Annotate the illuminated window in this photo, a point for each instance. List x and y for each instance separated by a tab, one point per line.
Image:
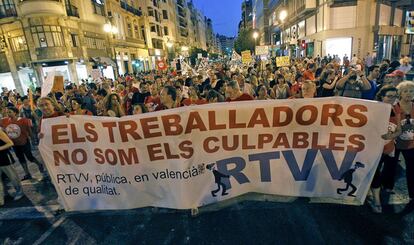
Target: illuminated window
98	7
47	36
18	43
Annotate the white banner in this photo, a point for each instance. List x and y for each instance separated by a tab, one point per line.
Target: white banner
193	156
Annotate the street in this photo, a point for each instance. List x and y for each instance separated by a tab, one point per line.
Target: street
39	219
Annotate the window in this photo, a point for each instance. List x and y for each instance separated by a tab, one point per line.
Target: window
47	36
150	12
143	34
155	2
165	14
95	43
157	16
129	27
18	43
136	31
98	7
75	40
7	8
165	31
159	30
153	28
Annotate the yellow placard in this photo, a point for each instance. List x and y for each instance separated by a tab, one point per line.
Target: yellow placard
282	61
246	57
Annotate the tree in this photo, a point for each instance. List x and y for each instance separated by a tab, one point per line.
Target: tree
244	41
194	54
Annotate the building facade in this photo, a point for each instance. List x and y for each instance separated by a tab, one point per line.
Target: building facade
83	38
227	44
260	20
339	27
247	16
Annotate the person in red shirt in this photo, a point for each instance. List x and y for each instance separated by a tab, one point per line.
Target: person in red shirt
233	93
405	142
194	98
309	74
19	131
168	97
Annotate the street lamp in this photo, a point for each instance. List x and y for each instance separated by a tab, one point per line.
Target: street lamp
111	29
255	36
282	15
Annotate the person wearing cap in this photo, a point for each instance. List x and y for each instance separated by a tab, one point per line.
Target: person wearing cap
396	77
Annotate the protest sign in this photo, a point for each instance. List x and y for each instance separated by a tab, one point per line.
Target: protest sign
282	61
52	83
193	156
262	50
246	57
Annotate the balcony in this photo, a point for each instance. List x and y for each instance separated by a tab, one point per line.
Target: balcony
341	3
183	24
72	11
180	3
7	10
130	9
41	8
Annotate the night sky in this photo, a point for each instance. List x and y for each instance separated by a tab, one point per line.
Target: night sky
225	14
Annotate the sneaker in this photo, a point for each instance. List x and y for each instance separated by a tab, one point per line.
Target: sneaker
27	177
376	208
18	196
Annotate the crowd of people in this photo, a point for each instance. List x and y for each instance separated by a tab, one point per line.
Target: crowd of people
218	83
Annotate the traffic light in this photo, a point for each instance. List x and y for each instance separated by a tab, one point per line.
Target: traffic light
303	44
409	26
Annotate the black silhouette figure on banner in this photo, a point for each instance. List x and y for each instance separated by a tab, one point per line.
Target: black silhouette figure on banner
217	178
347	177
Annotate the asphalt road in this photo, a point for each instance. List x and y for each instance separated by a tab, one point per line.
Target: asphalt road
38	219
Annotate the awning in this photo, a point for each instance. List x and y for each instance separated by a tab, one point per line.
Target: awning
104	61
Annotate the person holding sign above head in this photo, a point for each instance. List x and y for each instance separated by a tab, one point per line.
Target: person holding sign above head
19	131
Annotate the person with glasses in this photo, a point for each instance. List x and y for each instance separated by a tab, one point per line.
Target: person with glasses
405	142
385	174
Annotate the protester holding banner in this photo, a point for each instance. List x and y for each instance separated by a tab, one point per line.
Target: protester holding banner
386	170
405	142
